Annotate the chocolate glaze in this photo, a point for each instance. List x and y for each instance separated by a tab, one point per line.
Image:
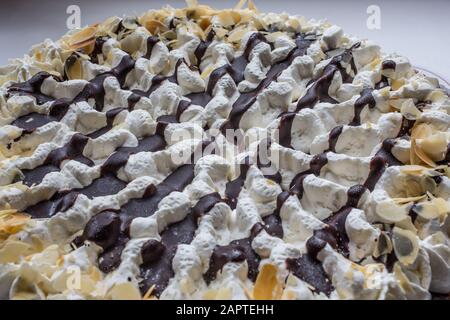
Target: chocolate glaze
388	64
315	166
93	90
98	49
285	128
157	256
333	137
32	87
203	46
383	83
272	223
366	99
110	117
104	185
233	188
405	129
382	159
73	150
264	163
146	206
236	251
103	229
318	91
311	271
247	99
151	41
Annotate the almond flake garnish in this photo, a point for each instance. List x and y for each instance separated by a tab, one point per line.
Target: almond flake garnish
267	286
417	155
148	294
125	291
11	222
83	39
406	245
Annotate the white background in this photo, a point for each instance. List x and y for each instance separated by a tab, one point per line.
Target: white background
416	29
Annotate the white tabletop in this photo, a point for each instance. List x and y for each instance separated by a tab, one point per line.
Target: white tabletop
416	29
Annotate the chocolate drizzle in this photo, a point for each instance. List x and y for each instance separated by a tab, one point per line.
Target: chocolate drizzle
73	150
203	46
247	99
151	41
104	185
311	271
157	256
233	188
333	137
93	90
366	99
237	251
110	229
318	92
388	64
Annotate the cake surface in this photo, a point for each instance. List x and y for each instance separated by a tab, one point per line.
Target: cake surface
221	154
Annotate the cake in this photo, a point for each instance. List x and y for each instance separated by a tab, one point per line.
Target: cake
221	154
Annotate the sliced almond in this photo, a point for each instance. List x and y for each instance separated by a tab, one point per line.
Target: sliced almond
13	251
435	145
155	27
384	245
84	39
400	201
409	110
267	286
418	156
426	210
389	212
75	70
397	84
406	245
125	291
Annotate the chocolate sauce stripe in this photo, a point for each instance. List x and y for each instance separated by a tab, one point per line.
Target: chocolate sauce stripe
157	266
247	99
99	186
146	206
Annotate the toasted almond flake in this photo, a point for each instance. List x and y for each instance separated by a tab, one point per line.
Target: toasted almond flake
155	27
12	251
384	245
402	279
401	201
397	84
426	210
390	212
406	245
413	170
75	71
149	292
435	145
237	34
409	110
125	291
12	222
417	155
267	286
84	38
